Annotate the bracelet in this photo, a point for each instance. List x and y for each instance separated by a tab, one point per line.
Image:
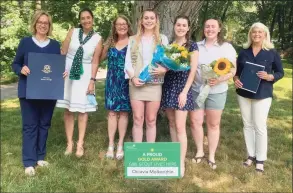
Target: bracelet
132	78
93	79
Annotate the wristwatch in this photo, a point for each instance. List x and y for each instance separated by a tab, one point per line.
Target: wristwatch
93	79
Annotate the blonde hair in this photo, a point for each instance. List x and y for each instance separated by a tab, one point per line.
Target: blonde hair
140	28
266	44
35	19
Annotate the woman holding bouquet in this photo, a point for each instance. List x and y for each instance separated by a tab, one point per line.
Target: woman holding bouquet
255	107
177	96
211	48
144	97
117	100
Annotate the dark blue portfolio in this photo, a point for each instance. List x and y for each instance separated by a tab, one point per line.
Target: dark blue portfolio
45	80
249	78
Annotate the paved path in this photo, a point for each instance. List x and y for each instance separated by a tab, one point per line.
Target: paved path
10	90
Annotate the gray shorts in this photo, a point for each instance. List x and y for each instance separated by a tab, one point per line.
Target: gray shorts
213	101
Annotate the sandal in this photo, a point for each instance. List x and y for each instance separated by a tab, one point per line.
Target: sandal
119	155
79	150
110	152
69	149
212	164
249	159
259	170
197	160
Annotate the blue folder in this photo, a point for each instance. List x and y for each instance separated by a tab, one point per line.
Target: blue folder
45	80
249	78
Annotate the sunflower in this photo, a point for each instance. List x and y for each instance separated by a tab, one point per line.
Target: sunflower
222	66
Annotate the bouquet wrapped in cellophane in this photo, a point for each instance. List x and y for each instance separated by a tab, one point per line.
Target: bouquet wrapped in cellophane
172	57
215	69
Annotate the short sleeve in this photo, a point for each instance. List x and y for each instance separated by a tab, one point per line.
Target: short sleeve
193	46
230	52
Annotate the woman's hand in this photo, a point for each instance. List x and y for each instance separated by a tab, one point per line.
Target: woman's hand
237	82
159	71
137	81
25	70
213	81
265	76
91	88
65	74
182	99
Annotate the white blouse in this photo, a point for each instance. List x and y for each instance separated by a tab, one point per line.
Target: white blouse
147	53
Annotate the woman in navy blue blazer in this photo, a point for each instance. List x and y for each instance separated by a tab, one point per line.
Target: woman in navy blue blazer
36	114
255	107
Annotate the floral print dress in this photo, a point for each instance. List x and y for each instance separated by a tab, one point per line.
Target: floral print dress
174	83
117	87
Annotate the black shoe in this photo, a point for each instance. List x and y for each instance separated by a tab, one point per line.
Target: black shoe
212	164
260	171
245	164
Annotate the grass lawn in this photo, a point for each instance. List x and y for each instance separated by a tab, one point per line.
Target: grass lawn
93	173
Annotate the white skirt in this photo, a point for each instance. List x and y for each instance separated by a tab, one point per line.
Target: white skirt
75	97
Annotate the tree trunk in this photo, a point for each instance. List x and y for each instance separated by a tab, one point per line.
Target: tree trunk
38	4
225	11
167	11
273	20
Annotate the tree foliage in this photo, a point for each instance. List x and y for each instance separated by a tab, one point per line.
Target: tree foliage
237	17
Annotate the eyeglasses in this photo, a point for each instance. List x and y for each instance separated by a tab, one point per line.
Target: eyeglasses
42	23
121	25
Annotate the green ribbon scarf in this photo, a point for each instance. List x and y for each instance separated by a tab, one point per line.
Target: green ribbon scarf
77	69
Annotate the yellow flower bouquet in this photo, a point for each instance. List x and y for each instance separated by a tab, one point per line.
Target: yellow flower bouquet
215	69
176	58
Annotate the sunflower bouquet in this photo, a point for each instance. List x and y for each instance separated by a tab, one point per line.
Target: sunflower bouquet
172	57
215	69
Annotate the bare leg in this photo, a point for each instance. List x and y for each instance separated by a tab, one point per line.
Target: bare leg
82	124
196	121
171	118
69	128
152	108
112	128
213	125
138	118
122	126
180	120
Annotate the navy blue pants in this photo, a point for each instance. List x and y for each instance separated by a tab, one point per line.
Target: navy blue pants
36	121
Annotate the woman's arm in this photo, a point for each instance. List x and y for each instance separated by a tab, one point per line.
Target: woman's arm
96	59
193	67
17	64
128	68
232	58
95	64
278	71
66	42
104	52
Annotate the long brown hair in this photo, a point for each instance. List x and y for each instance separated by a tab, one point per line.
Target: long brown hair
220	36
140	28
113	36
187	35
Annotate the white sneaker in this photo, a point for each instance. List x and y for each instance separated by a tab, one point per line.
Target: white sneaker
42	163
29	171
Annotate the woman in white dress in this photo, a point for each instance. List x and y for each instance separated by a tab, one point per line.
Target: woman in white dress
82	47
